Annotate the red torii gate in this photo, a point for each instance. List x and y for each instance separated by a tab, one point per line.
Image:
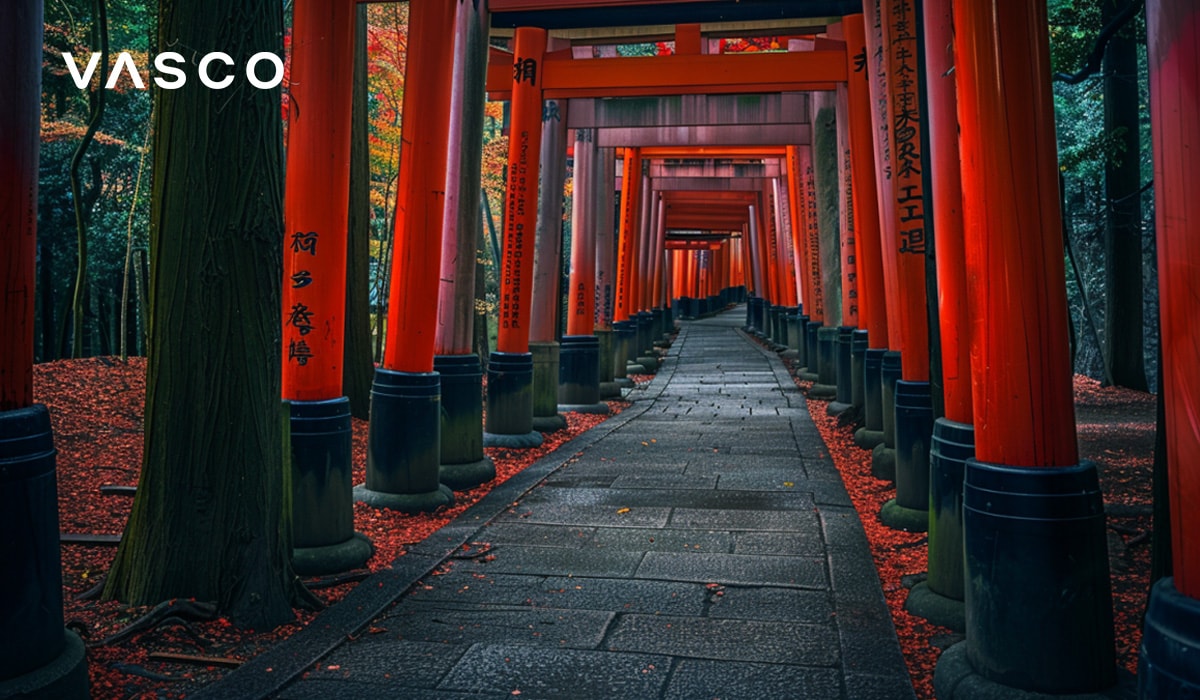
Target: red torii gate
1173	25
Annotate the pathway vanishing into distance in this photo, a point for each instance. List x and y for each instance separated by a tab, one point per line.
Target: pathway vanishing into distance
699	545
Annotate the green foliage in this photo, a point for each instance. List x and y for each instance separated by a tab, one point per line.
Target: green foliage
1085	148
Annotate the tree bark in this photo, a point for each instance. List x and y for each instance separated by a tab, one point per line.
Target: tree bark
211	519
358	368
1123	322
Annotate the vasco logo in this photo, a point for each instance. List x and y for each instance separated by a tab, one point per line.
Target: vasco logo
171	74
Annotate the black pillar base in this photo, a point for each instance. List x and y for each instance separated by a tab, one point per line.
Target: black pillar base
812	354
873	389
898	517
463	464
951	446
883	461
1038	597
38	657
323	536
842	371
914	428
928	604
509	421
1167	665
858	356
352	553
867	439
546	417
579	375
794	336
826	369
955	679
64	677
404	443
624	338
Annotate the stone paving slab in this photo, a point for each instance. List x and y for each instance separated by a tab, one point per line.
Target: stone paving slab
664	555
568	593
558	673
767	641
711	679
465	623
745	569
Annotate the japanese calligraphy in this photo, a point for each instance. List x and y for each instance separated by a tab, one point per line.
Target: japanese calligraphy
525	69
305	242
302	279
299	351
301	318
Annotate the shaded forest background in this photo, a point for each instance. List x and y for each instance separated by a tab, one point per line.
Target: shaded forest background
92	246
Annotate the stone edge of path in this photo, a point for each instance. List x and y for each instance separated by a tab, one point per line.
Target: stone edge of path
270	671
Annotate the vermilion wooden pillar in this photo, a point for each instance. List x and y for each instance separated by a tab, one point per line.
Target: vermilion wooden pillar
19	143
814	304
953	439
1173	619
463	462
883	462
799	231
38	658
579	368
625	306
606	273
510	368
316	207
873	319
404	443
1038	602
547	268
913	403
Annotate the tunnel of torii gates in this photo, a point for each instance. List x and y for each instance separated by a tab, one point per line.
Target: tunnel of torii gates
697	186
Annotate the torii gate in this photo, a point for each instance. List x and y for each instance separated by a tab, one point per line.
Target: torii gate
1004	240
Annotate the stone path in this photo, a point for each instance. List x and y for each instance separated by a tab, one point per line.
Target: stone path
699	545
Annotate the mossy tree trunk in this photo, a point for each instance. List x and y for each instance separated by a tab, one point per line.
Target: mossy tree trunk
358	368
1124	330
211	519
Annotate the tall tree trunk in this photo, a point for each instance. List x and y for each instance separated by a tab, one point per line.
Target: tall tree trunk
211	519
1123	324
358	368
82	210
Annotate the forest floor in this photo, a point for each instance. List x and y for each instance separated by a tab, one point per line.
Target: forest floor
96	406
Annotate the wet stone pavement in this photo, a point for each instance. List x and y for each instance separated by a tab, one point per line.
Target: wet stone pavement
699	545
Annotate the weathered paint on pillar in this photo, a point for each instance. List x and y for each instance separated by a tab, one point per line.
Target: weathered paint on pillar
869	263
520	212
658	256
881	136
904	118
1173	27
543	322
317	201
766	217
412	319
815	304
848	255
581	303
825	178
787	267
631	180
606	265
947	211
645	238
1020	361
20	83
461	222
799	229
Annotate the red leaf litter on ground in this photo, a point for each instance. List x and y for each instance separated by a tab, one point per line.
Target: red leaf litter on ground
1115	430
96	407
